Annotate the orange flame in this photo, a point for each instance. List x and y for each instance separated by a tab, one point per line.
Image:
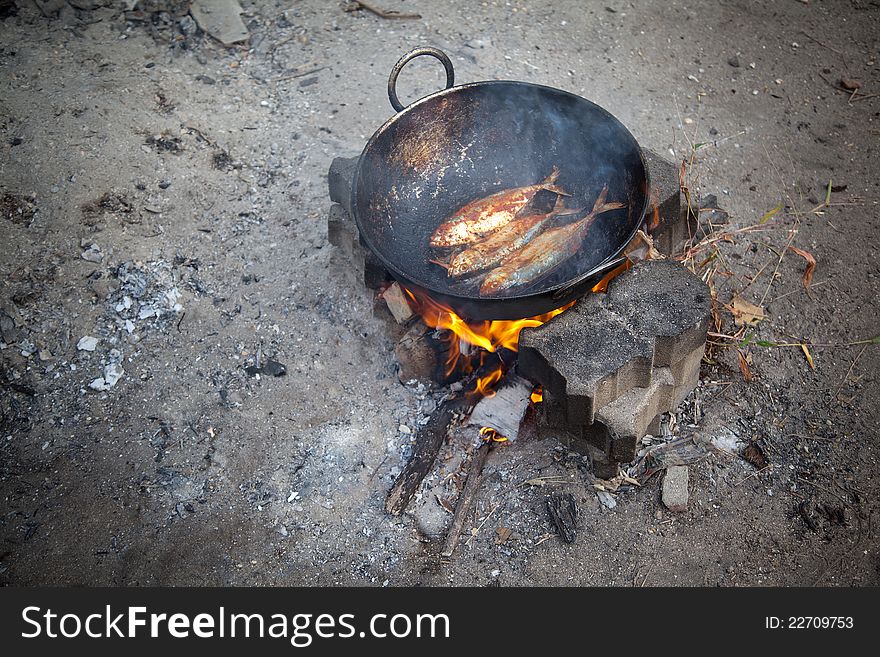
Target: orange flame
487	335
488	433
602	286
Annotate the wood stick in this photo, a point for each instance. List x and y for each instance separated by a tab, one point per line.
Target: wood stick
299	74
466	499
429	439
386	13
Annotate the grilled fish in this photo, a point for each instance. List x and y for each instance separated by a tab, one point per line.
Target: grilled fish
483	216
502	243
545	253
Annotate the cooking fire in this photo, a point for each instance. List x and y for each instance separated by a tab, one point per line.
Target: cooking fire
533	290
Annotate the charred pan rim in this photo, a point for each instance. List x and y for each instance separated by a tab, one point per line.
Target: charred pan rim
575	281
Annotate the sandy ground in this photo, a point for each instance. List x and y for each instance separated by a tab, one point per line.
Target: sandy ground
167	196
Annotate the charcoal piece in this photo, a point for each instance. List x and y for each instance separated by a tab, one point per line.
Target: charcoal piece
564	514
274	368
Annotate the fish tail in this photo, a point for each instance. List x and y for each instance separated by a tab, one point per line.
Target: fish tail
553	188
553	177
600	201
605	207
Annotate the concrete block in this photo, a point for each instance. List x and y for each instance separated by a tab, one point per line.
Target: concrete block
686	374
620	425
587	356
343	233
672	224
339	179
675	488
415	355
662	301
341	230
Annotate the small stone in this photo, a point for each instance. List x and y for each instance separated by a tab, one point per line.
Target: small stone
187	26
164	184
675	489
405	429
98	384
112	374
93	254
274	368
607	499
733	61
87	343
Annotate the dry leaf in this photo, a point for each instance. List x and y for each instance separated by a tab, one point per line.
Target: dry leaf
502	534
809	356
744	366
745	312
445	504
755	455
811	265
850	85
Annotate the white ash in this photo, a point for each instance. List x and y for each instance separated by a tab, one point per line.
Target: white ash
87	343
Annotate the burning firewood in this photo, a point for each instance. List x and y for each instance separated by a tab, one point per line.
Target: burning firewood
397	303
504	411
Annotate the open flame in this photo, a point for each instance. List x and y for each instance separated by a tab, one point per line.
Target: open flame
488	336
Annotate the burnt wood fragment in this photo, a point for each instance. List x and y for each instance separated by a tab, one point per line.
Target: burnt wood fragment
429	439
564	514
466	499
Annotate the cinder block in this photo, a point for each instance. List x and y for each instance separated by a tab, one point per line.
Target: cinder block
672	224
552	411
339	180
661	300
675	488
587	356
686	374
343	233
621	424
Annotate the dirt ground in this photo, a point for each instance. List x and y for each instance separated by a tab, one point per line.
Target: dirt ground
167	196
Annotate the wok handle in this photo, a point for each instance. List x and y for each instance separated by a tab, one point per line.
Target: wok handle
599	271
412	54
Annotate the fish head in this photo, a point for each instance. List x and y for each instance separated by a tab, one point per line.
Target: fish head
463	263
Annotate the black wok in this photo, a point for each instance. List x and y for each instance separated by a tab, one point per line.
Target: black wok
472	140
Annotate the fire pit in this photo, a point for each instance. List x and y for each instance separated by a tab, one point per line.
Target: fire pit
597	369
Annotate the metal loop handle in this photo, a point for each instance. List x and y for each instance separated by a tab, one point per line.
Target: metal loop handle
418	52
